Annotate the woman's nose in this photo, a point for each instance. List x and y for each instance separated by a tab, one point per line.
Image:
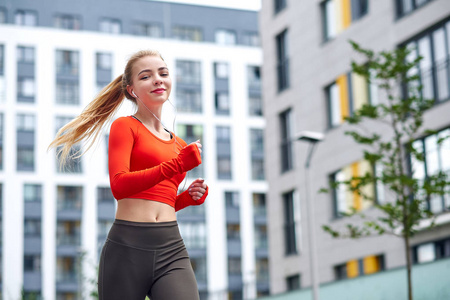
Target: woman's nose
158	80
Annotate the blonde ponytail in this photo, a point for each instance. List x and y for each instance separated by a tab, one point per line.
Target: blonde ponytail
88	125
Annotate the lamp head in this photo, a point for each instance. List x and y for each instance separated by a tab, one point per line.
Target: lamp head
310	136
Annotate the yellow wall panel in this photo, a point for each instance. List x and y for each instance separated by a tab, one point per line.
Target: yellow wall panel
371	264
343	95
352	268
346	13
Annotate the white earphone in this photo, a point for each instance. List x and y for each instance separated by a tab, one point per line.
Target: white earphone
134	94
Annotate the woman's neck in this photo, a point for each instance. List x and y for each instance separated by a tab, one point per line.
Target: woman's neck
150	119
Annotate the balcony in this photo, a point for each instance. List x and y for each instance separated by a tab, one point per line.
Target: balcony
390	284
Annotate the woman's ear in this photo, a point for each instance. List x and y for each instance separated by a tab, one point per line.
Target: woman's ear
130	91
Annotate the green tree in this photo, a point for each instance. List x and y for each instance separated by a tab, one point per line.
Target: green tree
401	112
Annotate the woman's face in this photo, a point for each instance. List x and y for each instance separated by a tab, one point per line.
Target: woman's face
151	81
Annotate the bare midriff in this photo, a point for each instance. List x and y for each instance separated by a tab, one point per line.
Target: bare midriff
141	210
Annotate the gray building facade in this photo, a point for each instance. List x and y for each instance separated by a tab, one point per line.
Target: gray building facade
307	60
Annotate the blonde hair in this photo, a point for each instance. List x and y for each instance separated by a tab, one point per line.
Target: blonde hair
88	125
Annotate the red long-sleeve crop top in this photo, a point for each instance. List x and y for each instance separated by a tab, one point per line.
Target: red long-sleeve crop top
144	166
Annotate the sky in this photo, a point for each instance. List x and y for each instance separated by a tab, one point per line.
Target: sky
239	4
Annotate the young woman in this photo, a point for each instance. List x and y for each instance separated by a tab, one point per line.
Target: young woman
144	253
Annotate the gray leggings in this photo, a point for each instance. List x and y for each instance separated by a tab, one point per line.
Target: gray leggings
140	259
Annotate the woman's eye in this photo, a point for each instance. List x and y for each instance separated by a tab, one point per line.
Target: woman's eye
165	74
144	77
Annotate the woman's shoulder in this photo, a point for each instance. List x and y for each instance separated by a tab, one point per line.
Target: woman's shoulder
123	123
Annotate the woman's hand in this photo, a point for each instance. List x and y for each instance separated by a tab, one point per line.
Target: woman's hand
199	146
197	189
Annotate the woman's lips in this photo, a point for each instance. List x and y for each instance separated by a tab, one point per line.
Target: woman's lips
158	91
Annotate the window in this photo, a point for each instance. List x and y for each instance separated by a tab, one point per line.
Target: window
32	263
254	77
434	47
251	39
221	70
262	270
68	233
25	88
234	232
234	266
110	26
225	37
1	141
286	146
67	62
2	15
188	72
259	204
232	200
222	103
148	29
279	5
358	267
189	101
25	142
404	7
188	77
2	77
105	195
346	201
69	197
199	267
436	155
67	22
257	153
191	133
235	295
25	54
338	15
25	18
194	235
347	94
32	193
32	227
255	105
67	92
104	61
293	282
103	70
187	33
291	221
66	271
25	74
282	60
254	91
261	237
65	296
431	251
2	57
223	147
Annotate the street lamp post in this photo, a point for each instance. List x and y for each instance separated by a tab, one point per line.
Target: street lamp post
312	138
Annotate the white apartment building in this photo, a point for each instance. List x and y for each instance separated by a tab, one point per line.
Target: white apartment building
54	58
